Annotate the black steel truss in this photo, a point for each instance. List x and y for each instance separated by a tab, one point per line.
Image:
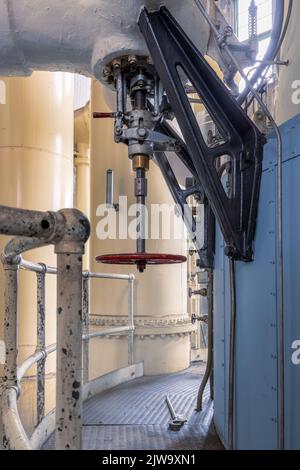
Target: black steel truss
206	250
172	51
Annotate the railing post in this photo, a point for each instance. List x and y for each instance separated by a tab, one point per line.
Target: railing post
10	379
131	321
85	315
41	344
69	396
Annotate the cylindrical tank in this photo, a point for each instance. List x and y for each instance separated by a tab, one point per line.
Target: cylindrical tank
36	159
162	324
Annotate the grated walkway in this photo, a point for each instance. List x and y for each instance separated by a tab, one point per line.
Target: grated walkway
134	415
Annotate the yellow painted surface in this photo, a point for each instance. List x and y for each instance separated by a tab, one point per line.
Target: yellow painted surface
36	159
82	166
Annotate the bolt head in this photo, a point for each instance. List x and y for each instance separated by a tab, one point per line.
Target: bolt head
142	132
229	251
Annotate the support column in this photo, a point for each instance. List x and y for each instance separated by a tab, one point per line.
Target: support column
69	332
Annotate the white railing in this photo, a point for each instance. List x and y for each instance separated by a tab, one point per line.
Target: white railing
15	435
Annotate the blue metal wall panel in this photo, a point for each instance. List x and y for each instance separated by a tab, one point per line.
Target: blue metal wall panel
256	405
292	298
219	339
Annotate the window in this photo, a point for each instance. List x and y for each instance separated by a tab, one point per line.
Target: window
264	25
264	18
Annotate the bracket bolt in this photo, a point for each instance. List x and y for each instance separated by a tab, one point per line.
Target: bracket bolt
116	64
132	60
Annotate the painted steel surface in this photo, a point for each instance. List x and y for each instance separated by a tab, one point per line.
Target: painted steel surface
256	394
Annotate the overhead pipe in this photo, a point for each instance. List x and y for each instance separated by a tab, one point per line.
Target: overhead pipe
80	36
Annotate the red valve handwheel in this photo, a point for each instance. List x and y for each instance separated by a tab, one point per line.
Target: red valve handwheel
141	259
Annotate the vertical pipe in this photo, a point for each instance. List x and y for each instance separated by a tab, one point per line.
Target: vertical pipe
10	334
109	188
130	322
85	318
41	345
211	333
120	92
69	352
209	364
231	378
140	193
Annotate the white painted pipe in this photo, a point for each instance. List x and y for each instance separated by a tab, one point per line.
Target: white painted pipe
39	268
120	277
15	434
81	36
30	361
108	332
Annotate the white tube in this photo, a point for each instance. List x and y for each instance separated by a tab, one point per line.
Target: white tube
108	331
30	361
121	277
39	268
14	432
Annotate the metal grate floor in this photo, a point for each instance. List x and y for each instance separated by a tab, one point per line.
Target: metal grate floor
134	416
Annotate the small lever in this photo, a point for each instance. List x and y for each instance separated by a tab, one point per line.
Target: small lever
177	421
97	115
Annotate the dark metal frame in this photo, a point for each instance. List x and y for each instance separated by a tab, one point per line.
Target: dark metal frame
180	196
170	49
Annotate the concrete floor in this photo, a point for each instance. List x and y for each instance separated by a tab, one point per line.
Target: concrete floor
134	416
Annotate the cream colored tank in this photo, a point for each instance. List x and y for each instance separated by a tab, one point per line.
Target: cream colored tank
36	160
162	338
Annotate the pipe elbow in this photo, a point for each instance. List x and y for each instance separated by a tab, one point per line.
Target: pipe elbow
77	231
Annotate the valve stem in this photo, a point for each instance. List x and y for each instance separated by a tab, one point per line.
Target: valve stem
140	164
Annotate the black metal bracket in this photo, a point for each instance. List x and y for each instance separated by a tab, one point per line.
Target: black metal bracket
205	251
173	53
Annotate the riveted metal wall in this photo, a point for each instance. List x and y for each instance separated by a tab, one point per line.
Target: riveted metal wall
256	394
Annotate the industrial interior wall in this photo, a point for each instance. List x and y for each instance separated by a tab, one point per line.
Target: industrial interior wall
162	336
36	159
256	426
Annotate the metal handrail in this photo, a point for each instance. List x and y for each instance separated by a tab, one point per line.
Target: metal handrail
42	268
11	393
